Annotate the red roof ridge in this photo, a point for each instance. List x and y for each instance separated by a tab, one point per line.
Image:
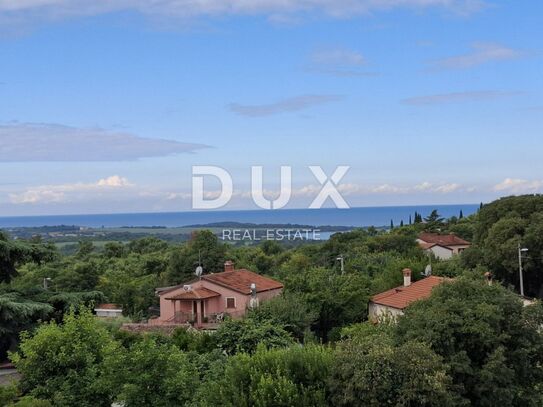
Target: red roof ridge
240	280
108	306
400	297
442	240
199	293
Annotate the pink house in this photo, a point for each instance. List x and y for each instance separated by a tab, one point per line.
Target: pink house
204	302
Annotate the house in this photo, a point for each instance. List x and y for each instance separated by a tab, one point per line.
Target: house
205	301
393	302
442	246
108	310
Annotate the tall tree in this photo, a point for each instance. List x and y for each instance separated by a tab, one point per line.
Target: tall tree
490	341
380	374
204	247
14	253
433	221
17	314
64	363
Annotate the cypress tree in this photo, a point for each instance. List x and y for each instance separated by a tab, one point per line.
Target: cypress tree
391	224
401	223
461	214
410	219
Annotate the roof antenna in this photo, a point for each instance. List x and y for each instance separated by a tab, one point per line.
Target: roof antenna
199	270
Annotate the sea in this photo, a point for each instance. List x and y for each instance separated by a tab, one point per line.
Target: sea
355	217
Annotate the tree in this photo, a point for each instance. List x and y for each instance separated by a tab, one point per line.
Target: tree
245	335
151	374
64	363
295	376
147	245
500	227
85	248
337	299
379	374
491	343
14	253
271	247
290	312
461	216
17	314
433	221
205	247
391	224
114	249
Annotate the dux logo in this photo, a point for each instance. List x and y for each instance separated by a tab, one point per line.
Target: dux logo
218	199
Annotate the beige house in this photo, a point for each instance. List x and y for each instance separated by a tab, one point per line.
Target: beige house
393	302
442	247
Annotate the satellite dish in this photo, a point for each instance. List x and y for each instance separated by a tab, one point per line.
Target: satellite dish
199	271
428	270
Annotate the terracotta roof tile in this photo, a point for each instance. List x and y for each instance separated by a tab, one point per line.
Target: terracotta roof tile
442	240
240	280
108	306
195	294
401	297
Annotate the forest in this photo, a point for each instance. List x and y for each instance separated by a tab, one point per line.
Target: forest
470	343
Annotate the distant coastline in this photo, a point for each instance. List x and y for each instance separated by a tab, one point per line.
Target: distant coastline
353	217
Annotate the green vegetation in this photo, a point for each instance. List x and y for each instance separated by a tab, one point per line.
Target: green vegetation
470	343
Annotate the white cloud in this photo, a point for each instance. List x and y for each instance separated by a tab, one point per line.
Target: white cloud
114	181
14	11
448	188
424	186
63	192
292	104
519	186
458	97
382	189
53	142
338	62
33	196
482	53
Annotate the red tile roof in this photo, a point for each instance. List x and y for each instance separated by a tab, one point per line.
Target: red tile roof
108	306
442	240
195	294
240	280
401	297
427	246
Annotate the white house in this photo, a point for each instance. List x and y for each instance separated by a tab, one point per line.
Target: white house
442	246
108	310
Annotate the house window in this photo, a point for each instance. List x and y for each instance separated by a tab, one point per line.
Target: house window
230	302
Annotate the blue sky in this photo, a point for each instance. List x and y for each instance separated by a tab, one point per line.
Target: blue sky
106	106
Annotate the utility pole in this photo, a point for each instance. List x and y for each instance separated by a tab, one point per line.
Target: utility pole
342	263
520	251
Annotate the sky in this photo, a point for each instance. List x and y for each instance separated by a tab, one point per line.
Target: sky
106	106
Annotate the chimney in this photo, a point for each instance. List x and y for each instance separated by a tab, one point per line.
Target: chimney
406	277
488	276
228	265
